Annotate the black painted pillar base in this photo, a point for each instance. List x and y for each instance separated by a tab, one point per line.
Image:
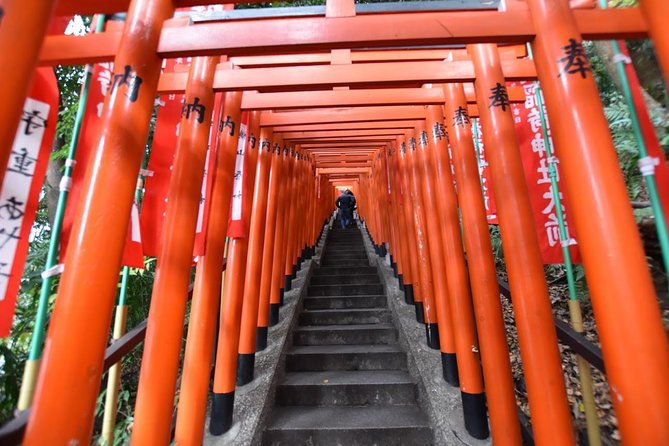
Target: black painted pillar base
274	314
288	285
281	297
474	410
400	281
393	265
245	366
261	338
420	313
449	368
383	250
294	274
432	334
222	408
408	294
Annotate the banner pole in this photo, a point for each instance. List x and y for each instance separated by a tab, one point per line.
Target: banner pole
31	369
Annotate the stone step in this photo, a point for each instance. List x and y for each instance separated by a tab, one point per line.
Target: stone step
351	426
342	270
345	357
345	254
345	334
341	302
344	290
342	388
346	316
345	262
345	279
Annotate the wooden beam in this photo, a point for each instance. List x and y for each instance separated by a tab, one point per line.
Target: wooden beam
341	133
346	170
362	125
353	98
327	76
300	34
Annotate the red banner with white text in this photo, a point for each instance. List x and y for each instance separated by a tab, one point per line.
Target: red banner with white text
536	165
20	192
88	141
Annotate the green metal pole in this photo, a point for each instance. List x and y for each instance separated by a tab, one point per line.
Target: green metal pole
32	364
648	172
575	315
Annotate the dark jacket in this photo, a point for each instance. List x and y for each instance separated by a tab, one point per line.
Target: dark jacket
346	203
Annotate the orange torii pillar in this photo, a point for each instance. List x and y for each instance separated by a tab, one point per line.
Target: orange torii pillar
24	24
451	261
233	291
273	195
276	296
408	160
77	338
289	226
415	295
247	340
404	273
162	346
551	419
424	194
634	342
207	287
485	290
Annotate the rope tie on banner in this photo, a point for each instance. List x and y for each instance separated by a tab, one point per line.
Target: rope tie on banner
553	160
647	165
146	172
65	184
619	57
483	164
53	271
70	162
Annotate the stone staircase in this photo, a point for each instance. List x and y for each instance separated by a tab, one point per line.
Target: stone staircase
346	379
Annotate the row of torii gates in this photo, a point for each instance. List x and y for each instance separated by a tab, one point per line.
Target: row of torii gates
318	88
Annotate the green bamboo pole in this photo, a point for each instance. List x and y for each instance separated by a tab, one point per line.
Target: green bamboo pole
649	175
114	376
33	363
575	315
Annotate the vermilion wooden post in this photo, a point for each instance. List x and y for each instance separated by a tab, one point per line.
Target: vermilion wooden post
207	289
268	242
290	223
438	167
160	359
77	338
485	291
426	285
276	296
247	341
634	342
424	194
225	374
404	263
24	24
551	419
409	235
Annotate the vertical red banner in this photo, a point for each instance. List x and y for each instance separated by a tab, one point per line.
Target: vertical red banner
90	132
484	173
536	165
240	192
19	197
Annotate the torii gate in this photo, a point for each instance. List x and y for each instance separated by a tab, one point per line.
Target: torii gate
632	335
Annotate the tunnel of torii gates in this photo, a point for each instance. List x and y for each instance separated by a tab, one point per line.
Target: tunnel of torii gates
339	99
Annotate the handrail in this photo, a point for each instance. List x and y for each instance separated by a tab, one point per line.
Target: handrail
11	434
574	340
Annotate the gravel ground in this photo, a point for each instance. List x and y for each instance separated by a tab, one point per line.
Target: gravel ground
559	299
